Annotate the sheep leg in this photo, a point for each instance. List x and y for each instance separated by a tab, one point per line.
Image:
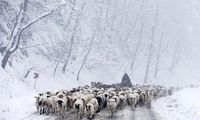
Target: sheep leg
133	106
37	109
111	113
40	111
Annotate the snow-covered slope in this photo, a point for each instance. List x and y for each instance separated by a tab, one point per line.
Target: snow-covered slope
116	28
183	105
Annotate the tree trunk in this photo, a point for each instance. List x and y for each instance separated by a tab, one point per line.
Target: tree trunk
138	46
16	34
158	56
151	47
5	59
176	57
2	50
86	56
148	62
140	37
72	39
68	56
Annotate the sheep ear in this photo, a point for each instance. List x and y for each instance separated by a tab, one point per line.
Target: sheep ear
36	97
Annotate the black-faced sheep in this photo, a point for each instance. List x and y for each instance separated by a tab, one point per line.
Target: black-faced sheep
91	108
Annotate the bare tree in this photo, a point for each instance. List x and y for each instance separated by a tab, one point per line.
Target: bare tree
15	36
72	38
151	46
138	46
140	36
175	57
86	56
158	55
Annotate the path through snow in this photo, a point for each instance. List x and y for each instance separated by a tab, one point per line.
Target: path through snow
126	114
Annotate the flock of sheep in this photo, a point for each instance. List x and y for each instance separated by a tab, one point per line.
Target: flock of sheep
87	101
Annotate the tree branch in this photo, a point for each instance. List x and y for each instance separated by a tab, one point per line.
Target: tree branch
28	25
36	20
29	46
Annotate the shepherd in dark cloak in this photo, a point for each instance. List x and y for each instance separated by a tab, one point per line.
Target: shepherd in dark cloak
126	81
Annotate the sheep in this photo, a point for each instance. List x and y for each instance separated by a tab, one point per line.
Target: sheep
117	100
112	105
91	108
100	92
72	99
122	101
77	95
95	102
52	101
79	107
101	101
70	102
122	93
149	98
106	96
89	101
61	92
113	93
40	103
87	98
45	104
48	93
62	96
155	94
141	99
133	99
60	108
37	102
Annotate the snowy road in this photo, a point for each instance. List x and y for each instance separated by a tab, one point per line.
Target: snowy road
126	114
144	114
25	110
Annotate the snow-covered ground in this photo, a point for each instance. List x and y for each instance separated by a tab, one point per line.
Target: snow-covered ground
23	108
183	105
102	49
17	100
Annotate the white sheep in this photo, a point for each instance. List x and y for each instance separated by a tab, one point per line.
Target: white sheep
52	101
48	104
86	98
91	108
40	103
149	98
37	103
133	99
112	106
79	108
60	108
117	100
62	96
122	101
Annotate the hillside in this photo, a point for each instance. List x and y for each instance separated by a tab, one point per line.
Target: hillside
71	43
